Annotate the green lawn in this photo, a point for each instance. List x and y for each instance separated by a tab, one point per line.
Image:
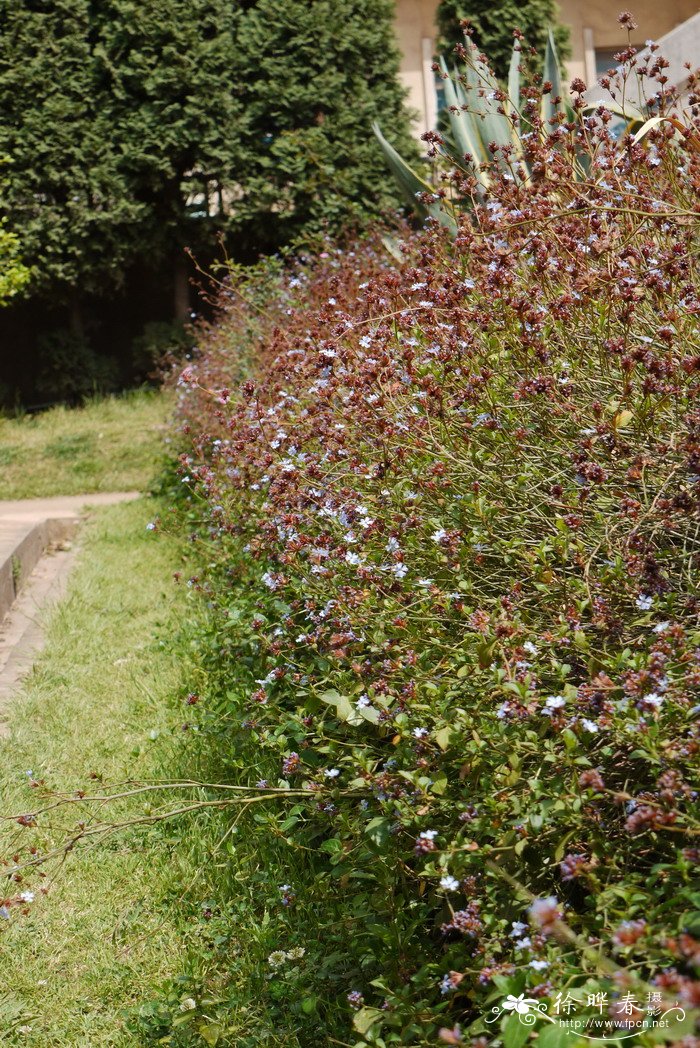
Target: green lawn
111	444
105	695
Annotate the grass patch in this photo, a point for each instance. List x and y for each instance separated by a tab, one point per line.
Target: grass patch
104	697
110	444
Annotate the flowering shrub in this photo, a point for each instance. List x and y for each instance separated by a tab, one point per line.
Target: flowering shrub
450	519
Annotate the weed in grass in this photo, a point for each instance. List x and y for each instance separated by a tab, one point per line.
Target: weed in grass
16	571
71	446
9	454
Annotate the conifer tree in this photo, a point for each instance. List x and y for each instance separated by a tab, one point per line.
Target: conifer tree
167	76
14	275
63	191
138	128
493	24
312	78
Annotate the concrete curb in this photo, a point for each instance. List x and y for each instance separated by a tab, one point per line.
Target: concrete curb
22	631
28	545
35	561
30	526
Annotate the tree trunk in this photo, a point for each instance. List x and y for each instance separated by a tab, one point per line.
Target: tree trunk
77	327
181	299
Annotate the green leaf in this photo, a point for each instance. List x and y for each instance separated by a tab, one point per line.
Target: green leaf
368	713
561	846
691	923
442	737
211	1033
344	708
330	697
554	1036
347	712
378	830
365	1019
182	1020
514	1032
570	740
677	1030
490	125
485	652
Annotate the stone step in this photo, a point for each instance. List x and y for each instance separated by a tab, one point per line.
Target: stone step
35	560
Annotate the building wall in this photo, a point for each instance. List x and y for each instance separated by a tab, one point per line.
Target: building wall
593	25
415	28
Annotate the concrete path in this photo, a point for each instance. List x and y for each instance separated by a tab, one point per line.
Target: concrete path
36	555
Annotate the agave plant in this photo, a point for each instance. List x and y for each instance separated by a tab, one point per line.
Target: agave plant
482	113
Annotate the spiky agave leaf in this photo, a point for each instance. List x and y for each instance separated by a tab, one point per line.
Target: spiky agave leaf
464	131
482	93
392	246
480	116
494	116
553	102
413	186
514	79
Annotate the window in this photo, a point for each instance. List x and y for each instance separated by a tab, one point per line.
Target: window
605	58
